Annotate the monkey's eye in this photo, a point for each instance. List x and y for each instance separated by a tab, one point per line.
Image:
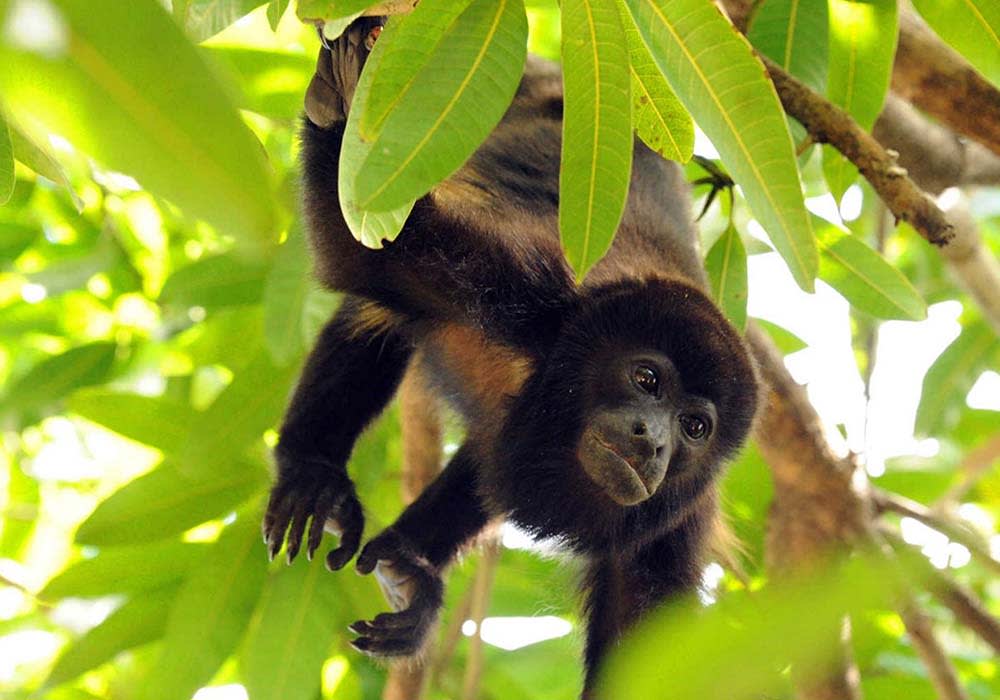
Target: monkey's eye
646	379
694	426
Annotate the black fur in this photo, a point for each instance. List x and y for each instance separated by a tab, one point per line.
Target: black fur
477	283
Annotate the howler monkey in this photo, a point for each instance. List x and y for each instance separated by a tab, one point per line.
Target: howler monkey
597	415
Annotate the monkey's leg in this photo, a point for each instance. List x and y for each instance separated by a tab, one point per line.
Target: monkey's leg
348	379
408	556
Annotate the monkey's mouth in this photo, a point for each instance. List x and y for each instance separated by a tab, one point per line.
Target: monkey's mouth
615	474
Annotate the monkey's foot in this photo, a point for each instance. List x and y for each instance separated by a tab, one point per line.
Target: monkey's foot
320	491
413	587
338	68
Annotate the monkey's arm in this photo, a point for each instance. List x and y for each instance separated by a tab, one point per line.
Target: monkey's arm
621	590
347	381
408	556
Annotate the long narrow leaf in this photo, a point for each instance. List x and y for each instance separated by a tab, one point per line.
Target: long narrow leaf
714	73
210	615
971	26
864	277
659	118
726	263
597	135
862	45
141	620
459	95
110	69
6	162
795	35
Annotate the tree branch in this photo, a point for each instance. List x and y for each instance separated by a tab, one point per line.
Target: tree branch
934	77
482	587
939	667
950	527
828	123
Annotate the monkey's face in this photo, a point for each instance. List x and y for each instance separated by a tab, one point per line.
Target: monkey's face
642	425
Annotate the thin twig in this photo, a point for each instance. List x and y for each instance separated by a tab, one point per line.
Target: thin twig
976	464
951	527
482	587
939	667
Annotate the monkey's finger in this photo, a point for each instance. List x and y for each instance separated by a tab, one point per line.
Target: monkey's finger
352	523
300	515
272	510
320	513
276	535
373	551
396	646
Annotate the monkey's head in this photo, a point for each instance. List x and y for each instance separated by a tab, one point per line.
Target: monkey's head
646	392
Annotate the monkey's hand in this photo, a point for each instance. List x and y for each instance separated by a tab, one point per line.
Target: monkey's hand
312	488
413	587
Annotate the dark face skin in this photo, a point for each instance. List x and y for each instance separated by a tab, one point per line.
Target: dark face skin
642	425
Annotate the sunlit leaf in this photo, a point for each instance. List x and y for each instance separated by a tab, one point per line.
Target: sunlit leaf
714	73
863	39
369	227
210	614
54	378
951	376
597	135
275	11
786	341
217	281
15	239
6	162
22	508
726	263
238	417
112	68
273	82
464	75
659	118
41	161
330	9
794	34
970	26
145	567
285	649
285	291
865	278
206	18
139	621
165	502
761	635
155	421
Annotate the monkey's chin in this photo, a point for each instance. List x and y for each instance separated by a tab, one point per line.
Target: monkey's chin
612	473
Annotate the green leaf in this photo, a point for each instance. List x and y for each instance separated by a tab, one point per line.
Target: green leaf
21	507
54	378
292	633
146	567
714	73
949	379
863	39
139	621
726	263
659	118
7	178
39	159
155	421
597	134
369	227
864	278
114	68
210	614
15	238
786	341
312	10
464	75
970	26
206	18
275	11
795	35
165	502
217	281
272	82
238	417
288	284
